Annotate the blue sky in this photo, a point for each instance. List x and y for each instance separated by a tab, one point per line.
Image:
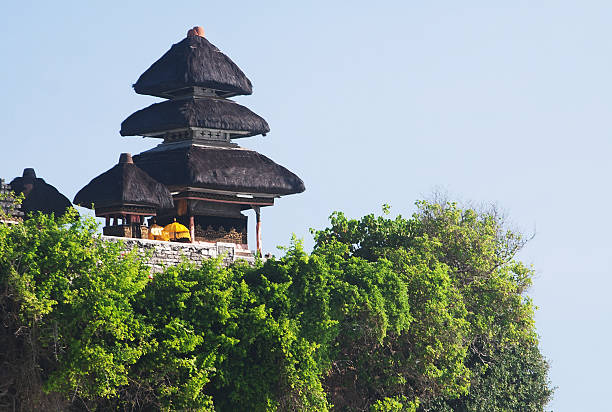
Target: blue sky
370	103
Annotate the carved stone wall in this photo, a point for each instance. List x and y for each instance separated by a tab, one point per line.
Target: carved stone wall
9	211
221	235
164	254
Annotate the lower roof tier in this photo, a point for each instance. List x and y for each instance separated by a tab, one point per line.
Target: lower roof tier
234	170
198	112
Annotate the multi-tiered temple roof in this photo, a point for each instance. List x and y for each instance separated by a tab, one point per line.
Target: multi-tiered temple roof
210	177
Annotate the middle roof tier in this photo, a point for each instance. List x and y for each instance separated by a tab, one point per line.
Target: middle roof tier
169	116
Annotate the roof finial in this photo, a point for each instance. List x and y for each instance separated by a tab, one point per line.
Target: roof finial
125	158
29	172
196	31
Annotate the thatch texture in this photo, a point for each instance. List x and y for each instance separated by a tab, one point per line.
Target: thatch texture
124	184
194	112
194	61
230	169
39	195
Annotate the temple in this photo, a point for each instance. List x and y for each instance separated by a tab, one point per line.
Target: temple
125	196
197	176
38	195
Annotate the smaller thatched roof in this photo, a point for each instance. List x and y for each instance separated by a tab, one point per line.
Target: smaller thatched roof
39	195
228	169
125	184
207	113
193	61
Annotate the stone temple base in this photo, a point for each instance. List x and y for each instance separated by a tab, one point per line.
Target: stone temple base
164	254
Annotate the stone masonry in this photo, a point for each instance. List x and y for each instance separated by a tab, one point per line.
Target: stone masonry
164	254
9	211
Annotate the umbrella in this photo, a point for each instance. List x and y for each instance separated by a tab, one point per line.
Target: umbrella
176	231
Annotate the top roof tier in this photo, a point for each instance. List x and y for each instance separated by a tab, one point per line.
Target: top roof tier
193	62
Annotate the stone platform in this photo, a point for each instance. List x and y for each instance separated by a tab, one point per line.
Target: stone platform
164	254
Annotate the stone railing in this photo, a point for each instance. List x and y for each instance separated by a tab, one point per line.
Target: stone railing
164	254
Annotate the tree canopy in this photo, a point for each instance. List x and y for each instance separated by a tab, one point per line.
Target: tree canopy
427	313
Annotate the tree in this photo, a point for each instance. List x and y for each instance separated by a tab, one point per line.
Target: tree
66	310
477	253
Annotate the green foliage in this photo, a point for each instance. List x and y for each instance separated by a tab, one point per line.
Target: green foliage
215	338
386	314
67	303
468	301
514	380
394	405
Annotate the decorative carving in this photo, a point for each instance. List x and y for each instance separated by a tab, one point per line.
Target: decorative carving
119	231
125	210
135	231
198	134
189	194
221	235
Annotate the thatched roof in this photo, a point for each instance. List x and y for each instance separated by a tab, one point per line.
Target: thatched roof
230	169
193	61
124	184
208	113
39	195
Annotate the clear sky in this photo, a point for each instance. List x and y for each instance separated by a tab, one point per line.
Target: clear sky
370	103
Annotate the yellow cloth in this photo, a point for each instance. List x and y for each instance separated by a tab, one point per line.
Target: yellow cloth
156	232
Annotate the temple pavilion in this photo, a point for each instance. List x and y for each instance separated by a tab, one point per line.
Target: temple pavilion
205	180
39	196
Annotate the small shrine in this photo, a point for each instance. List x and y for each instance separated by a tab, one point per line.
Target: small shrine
39	196
125	195
205	180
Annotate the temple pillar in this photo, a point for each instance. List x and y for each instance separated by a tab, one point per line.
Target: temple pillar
192	228
258	229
